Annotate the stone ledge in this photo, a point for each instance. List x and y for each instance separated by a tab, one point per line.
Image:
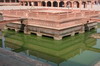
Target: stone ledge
97	64
8	58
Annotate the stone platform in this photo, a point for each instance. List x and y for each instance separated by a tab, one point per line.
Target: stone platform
98	64
8	58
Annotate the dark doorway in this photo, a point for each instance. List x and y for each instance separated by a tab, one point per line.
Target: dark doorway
55	4
35	3
26	4
30	4
7	0
1	0
84	4
69	4
49	4
17	0
43	3
61	4
77	4
12	0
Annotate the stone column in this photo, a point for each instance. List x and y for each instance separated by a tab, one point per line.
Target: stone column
16	1
39	34
51	3
16	30
73	33
4	1
45	3
39	3
26	31
10	1
57	37
32	3
58	3
5	27
24	3
72	4
82	30
95	26
80	4
91	4
27	3
65	4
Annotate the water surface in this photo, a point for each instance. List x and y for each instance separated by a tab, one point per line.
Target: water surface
79	50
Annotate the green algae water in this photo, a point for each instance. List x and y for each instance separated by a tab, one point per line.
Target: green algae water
79	50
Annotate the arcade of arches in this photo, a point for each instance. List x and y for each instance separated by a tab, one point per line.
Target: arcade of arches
68	4
7	1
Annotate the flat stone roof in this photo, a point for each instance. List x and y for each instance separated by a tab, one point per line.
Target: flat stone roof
8	58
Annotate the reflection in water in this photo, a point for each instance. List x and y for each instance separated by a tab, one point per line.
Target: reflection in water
61	52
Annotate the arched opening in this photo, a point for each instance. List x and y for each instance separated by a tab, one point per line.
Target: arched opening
88	2
61	4
30	4
12	0
96	2
26	4
43	3
49	4
76	4
55	4
7	0
84	4
1	0
17	0
22	3
68	4
35	3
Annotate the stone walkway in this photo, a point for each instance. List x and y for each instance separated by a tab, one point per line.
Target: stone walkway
8	58
98	64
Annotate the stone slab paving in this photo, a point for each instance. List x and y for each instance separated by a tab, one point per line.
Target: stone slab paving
8	58
98	64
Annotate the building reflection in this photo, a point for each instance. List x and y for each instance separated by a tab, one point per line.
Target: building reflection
49	49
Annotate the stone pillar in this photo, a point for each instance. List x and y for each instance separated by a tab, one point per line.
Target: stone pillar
65	4
72	4
82	30
73	33
80	4
24	3
26	31
4	1
16	30
27	3
32	3
91	4
15	0
39	34
5	27
95	26
45	3
57	37
10	1
39	4
51	3
58	3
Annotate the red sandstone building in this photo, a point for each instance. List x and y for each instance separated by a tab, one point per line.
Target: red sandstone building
54	3
59	3
53	22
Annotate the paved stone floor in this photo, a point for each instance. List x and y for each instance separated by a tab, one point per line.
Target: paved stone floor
8	58
98	64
